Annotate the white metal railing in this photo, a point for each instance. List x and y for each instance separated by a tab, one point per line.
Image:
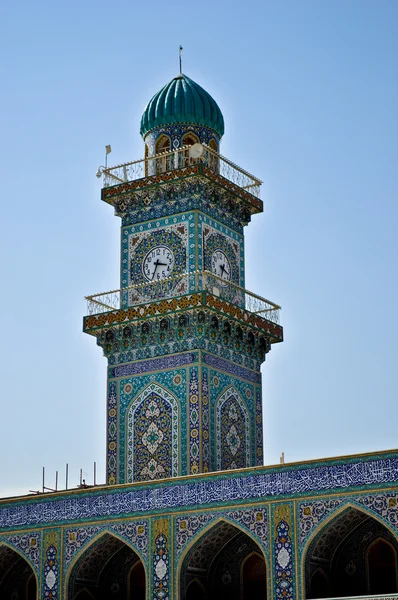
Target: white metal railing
187	283
177	159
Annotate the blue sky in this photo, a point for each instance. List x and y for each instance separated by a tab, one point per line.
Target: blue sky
309	92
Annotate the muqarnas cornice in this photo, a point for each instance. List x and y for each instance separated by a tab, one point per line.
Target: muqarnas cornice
194	187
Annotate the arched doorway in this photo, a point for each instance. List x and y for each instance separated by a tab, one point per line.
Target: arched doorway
17	579
382	567
108	568
225	562
354	554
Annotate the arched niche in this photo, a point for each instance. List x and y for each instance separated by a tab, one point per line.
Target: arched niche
223	562
107	568
232	428
339	559
254	577
152	435
195	590
382	567
163	146
136	581
17	578
188	140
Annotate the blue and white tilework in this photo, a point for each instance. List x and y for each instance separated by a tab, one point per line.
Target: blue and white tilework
176	132
133	532
29	545
202	491
284	575
232	431
216	236
232	368
51	573
138	240
233	414
313	513
194	422
161	567
254	520
205	421
152	434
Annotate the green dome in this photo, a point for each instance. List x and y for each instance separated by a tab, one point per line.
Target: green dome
182	101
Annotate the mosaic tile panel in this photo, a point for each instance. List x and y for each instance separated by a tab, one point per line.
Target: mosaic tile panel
140	242
156	364
269	482
182	196
194	422
239	425
76	538
313	513
175	384
51	572
205	421
254	520
134	532
259	427
161	561
153	436
283	554
232	431
217	237
231	368
29	545
385	505
112	431
176	132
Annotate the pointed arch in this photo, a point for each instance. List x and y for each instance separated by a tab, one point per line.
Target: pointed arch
232	427
361	515
253	576
90	546
195	590
163	146
10	546
136	581
189	139
201	535
16	559
382	570
152	426
84	594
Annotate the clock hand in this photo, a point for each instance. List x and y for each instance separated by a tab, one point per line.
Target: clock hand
157	264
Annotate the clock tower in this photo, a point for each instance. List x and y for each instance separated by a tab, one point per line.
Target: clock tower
183	337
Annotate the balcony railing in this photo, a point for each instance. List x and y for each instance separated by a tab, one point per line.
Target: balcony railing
178	159
187	283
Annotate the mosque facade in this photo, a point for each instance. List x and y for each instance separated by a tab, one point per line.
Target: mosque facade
188	511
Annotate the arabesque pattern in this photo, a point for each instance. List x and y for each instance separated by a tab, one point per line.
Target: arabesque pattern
152	445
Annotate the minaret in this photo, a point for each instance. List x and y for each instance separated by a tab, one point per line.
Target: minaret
183	337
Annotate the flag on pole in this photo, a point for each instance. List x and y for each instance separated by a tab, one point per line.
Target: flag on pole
108	150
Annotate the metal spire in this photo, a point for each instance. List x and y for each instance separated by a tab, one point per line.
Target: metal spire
180	60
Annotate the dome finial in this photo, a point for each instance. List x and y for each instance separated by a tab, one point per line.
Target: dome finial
180	60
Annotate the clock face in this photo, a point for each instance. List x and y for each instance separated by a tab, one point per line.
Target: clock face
158	263
221	266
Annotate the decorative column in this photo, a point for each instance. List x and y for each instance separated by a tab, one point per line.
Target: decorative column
161	565
283	553
51	581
